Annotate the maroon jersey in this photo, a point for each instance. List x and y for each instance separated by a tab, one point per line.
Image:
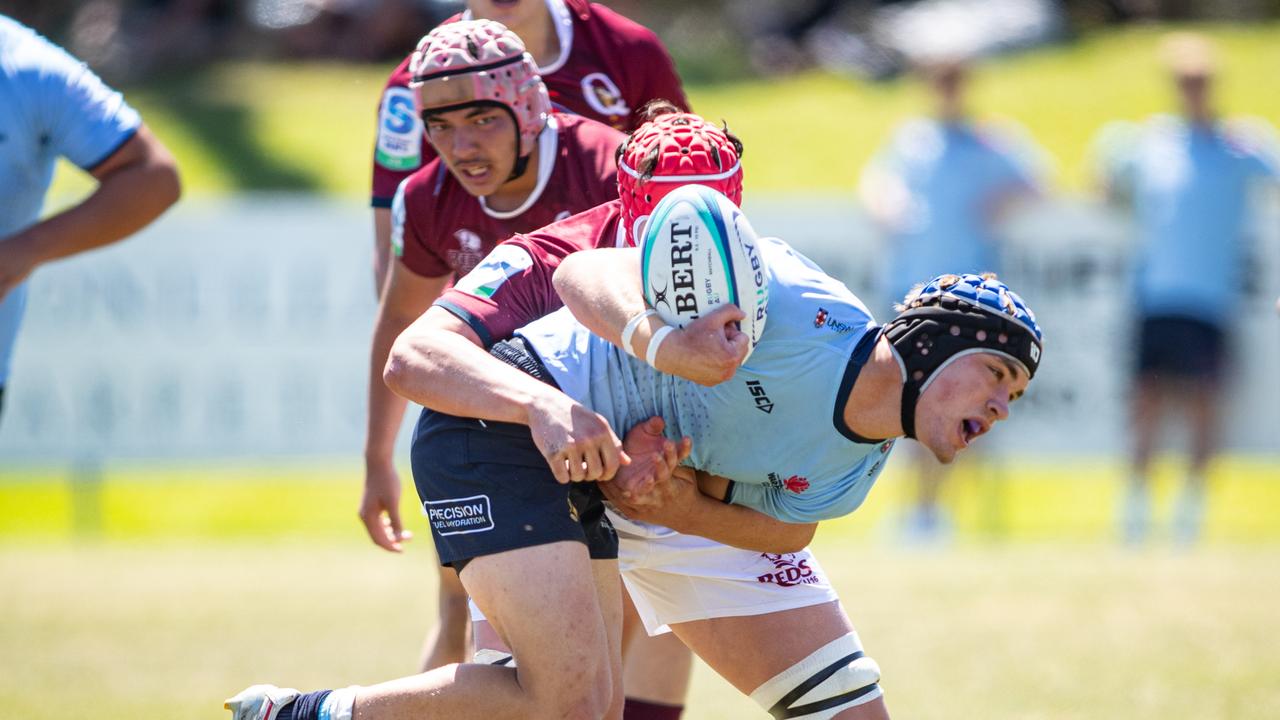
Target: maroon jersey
609	68
438	228
512	286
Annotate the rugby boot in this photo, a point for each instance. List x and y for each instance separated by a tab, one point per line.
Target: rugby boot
259	702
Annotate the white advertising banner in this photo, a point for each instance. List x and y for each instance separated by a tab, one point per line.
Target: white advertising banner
240	329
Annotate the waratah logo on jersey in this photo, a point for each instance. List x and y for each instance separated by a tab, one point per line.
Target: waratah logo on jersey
788	571
793	484
603	95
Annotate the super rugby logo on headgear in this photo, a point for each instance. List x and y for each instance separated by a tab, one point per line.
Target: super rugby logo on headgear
952	316
667	152
698	253
481	62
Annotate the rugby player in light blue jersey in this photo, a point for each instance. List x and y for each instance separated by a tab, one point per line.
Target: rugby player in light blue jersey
937	191
1189	181
831	378
51	106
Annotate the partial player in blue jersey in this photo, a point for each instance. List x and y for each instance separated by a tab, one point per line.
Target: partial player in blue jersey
51	106
1189	181
937	191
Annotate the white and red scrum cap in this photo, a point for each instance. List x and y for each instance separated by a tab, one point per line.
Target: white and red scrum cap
474	62
668	152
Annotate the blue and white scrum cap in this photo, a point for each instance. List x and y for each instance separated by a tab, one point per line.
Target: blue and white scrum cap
953	316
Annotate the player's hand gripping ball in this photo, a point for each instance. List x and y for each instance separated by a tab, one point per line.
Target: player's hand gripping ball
700	252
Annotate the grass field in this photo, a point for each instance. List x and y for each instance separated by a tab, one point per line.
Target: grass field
155	592
309	127
166	629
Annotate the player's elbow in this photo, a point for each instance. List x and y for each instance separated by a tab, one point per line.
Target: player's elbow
397	372
161	181
562	279
165	183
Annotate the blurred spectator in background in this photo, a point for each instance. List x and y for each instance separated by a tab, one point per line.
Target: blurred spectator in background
51	106
937	191
1187	180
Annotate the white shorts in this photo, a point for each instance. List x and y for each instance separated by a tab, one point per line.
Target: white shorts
675	578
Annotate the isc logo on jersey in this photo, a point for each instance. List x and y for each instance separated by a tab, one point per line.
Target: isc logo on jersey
699	252
399	131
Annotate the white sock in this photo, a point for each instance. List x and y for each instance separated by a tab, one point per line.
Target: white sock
339	704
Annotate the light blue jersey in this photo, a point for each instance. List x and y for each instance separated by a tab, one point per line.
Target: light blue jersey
949	178
776	427
51	106
1190	187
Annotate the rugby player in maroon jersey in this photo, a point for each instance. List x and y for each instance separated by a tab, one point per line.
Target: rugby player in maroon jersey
507	164
593	61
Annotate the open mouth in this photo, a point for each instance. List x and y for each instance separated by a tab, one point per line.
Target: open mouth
477	173
971	428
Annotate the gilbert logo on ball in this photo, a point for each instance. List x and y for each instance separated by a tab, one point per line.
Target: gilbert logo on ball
700	252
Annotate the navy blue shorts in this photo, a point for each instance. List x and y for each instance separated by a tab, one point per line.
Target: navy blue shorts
1180	347
486	489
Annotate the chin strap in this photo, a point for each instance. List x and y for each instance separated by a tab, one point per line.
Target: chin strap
522	164
928	338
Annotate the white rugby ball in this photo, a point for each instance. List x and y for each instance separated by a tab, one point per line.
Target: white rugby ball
699	252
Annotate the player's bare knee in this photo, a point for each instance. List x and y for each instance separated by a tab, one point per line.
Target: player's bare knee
831	680
584	696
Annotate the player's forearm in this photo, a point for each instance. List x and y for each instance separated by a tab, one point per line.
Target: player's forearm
445	371
125	201
743	527
602	289
381	248
386	409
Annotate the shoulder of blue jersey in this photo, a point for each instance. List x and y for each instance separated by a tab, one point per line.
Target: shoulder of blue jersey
699	252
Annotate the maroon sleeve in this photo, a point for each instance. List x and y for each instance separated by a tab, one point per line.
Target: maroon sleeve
412	236
495	301
497	309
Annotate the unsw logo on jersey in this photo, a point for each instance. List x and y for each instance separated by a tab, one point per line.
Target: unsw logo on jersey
793	484
399	131
823	318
